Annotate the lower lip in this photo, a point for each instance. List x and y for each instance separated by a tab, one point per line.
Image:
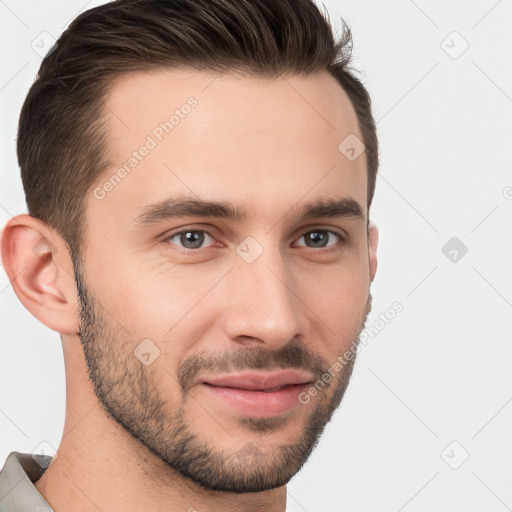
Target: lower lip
258	403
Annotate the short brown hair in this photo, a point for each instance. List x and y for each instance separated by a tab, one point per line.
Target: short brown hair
62	142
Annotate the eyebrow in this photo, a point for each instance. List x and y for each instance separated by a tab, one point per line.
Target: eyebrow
188	207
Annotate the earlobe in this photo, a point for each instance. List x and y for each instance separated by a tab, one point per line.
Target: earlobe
41	272
373	240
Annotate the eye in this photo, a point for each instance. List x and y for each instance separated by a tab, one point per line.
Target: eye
319	238
190	239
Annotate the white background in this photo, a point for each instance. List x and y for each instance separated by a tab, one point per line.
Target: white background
441	370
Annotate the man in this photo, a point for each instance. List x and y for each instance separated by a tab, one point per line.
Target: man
198	177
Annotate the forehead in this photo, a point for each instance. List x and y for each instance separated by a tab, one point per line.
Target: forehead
259	141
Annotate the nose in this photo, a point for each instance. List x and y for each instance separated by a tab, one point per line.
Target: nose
265	308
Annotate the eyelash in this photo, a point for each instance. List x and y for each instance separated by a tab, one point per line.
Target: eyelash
341	238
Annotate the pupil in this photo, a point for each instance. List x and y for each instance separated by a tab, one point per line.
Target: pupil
318	239
192	239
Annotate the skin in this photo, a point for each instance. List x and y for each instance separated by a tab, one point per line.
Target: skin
268	146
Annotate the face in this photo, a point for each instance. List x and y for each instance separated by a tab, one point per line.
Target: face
225	271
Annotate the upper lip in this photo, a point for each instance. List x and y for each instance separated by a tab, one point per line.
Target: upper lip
260	380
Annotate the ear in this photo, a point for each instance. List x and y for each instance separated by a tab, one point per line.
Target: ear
40	270
373	240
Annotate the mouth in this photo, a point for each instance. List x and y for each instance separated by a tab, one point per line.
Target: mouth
261	394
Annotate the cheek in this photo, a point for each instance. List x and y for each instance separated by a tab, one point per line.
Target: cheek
338	290
146	300
336	302
170	306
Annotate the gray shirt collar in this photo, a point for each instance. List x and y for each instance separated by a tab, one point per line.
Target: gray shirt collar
17	491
